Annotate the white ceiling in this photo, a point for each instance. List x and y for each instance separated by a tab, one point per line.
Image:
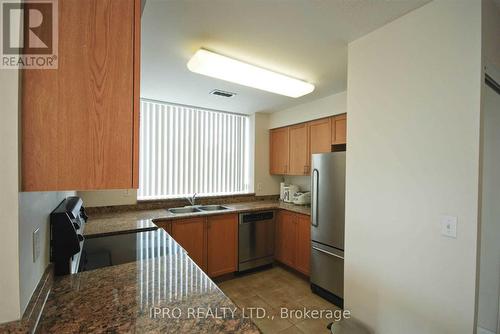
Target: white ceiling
306	39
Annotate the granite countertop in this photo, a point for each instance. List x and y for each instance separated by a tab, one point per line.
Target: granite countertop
129	221
162	291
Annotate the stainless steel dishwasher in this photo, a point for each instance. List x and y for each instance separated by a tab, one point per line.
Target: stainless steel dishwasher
256	239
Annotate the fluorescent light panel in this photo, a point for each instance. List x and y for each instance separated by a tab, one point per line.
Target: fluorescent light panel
221	67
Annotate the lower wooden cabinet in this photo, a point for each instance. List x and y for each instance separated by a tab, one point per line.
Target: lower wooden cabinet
303	245
285	237
190	234
212	242
222	244
293	240
166	225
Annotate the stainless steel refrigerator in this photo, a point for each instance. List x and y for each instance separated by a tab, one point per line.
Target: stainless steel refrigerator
327	225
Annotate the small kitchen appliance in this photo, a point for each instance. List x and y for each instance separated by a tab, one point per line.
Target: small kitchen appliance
302	198
288	192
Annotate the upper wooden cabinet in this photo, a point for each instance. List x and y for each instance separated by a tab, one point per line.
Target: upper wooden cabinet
320	133
291	147
339	129
80	122
299	149
279	153
222	244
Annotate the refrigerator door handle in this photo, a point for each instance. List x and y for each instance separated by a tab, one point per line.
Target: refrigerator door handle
315	187
326	252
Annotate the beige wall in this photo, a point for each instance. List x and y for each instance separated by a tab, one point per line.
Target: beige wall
327	106
34	211
413	132
489	263
9	237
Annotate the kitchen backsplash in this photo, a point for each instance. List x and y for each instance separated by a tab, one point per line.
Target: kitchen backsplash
304	182
172	203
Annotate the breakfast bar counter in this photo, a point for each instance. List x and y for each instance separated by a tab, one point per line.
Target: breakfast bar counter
162	291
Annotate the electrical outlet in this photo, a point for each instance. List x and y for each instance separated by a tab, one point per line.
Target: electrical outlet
259	186
449	226
36	244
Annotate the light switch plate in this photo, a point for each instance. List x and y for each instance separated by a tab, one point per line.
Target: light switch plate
449	226
36	244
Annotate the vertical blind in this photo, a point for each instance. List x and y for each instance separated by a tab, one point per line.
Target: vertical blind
186	150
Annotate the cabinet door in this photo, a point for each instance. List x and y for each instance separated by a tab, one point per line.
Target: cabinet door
279	155
78	122
190	234
303	255
287	237
167	226
222	244
320	134
339	129
299	149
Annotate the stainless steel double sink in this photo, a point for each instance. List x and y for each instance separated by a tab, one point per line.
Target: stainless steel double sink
197	208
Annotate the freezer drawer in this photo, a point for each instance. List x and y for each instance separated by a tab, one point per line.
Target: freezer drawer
327	269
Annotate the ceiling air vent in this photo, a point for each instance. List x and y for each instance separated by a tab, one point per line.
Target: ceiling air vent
222	93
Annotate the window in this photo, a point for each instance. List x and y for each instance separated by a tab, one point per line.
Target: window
186	150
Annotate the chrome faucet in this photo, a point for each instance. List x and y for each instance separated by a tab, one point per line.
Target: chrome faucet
192	199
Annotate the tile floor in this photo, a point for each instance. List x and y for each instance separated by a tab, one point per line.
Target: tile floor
273	289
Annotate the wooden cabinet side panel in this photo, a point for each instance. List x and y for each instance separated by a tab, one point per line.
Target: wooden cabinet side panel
340	129
190	234
278	236
222	244
40	126
137	92
82	137
303	256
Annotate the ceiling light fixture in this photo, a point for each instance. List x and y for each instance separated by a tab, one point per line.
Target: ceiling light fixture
221	67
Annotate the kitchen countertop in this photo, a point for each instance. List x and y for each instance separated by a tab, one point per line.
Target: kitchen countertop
129	221
126	297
